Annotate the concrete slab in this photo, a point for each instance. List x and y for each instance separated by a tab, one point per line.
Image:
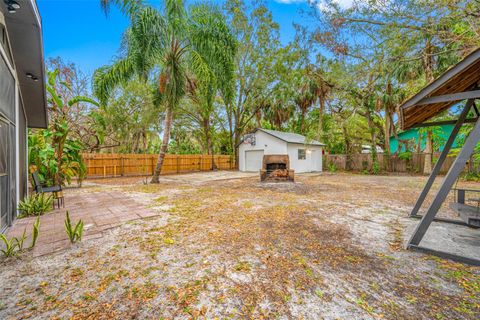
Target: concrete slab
205	176
451	238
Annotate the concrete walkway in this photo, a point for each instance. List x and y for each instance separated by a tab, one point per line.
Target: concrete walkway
207	176
99	211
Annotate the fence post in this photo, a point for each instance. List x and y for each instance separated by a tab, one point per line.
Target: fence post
145	165
122	166
178	168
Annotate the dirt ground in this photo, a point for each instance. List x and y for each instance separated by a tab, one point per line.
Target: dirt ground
329	246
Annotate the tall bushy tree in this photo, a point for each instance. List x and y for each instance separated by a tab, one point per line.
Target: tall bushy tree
258	48
392	49
54	152
178	43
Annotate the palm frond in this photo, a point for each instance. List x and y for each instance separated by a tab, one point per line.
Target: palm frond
107	78
128	7
52	77
146	40
78	99
213	39
201	69
175	16
175	72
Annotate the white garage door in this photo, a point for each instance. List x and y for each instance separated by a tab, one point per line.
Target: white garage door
253	160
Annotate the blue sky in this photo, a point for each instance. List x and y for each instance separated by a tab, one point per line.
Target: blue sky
79	32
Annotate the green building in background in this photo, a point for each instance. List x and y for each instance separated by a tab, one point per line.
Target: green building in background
441	132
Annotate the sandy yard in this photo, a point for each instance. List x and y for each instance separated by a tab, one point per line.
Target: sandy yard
330	246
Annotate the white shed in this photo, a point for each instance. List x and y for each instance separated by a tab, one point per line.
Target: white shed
304	155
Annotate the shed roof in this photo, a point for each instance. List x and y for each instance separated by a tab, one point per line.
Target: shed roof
461	78
291	137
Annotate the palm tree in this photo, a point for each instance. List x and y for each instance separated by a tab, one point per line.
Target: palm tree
180	44
128	7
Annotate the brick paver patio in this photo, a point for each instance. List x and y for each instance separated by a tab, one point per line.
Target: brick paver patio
99	211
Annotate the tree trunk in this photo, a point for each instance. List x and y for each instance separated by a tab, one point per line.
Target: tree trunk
230	130
427	168
58	175
321	109
386	152
348	148
373	136
419	152
302	121
164	147
209	141
236	141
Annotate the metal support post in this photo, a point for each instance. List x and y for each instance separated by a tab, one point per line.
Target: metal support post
447	184
441	159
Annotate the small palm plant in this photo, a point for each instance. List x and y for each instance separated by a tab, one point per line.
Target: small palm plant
36	204
10	246
14	245
74	233
176	44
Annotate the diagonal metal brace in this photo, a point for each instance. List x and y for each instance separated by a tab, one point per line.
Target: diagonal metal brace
447	184
441	159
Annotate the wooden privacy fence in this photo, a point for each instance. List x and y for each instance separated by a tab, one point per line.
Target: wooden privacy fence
115	165
392	163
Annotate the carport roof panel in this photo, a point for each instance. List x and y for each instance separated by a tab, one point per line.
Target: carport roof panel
291	137
462	77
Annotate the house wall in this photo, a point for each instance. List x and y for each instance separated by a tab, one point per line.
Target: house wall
13	140
440	132
263	141
312	161
272	145
22	152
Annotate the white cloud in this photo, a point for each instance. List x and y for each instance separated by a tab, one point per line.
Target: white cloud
345	3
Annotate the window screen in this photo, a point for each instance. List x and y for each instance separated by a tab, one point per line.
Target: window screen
7	92
22	150
4	42
4	162
12	174
302	154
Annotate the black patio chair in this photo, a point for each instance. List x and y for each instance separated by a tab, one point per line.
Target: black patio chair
40	187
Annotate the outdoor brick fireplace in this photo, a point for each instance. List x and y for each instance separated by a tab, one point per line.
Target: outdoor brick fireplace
276	168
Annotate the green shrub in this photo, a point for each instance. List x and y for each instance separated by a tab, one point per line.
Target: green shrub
365	166
36	204
14	245
332	167
376	167
10	246
471	176
407	156
74	233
